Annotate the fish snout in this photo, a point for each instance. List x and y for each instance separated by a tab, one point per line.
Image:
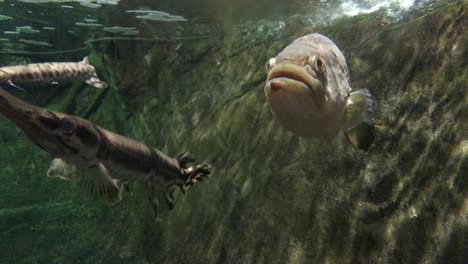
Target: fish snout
292	77
285	85
276	84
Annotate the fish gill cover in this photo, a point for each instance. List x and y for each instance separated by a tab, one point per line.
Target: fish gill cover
273	197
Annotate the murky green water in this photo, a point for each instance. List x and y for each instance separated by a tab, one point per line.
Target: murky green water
190	76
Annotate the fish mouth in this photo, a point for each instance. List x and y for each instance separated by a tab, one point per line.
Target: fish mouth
294	80
32	121
14	109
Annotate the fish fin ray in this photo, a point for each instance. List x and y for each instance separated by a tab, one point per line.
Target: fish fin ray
61	169
16	86
103	186
150	187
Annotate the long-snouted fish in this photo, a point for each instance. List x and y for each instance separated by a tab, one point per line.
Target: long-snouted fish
52	72
110	161
308	91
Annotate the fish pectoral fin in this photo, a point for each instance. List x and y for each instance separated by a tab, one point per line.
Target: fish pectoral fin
61	169
361	136
102	185
359	126
150	186
16	86
95	82
169	195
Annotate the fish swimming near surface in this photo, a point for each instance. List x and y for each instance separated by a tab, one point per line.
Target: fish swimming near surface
51	72
109	161
308	91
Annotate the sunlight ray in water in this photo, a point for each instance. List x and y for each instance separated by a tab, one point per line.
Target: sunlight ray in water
350	8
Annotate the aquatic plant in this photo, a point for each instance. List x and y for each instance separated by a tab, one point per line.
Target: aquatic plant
119	29
155	15
81	24
35	42
27	30
3	17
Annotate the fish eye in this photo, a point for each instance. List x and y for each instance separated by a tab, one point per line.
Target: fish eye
67	126
319	63
316	63
271	63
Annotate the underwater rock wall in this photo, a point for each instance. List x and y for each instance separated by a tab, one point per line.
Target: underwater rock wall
273	197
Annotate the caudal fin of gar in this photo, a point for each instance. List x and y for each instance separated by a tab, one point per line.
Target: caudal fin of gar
95	82
359	129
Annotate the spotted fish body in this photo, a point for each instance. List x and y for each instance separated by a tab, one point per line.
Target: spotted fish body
52	72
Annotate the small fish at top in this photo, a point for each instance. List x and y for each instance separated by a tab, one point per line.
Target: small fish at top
308	91
52	72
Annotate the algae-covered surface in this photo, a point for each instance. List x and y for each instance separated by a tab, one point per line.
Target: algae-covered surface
273	197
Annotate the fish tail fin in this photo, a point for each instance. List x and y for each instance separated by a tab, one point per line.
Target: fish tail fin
359	128
95	82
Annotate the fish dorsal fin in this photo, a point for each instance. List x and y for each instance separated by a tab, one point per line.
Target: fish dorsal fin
85	60
61	169
102	185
